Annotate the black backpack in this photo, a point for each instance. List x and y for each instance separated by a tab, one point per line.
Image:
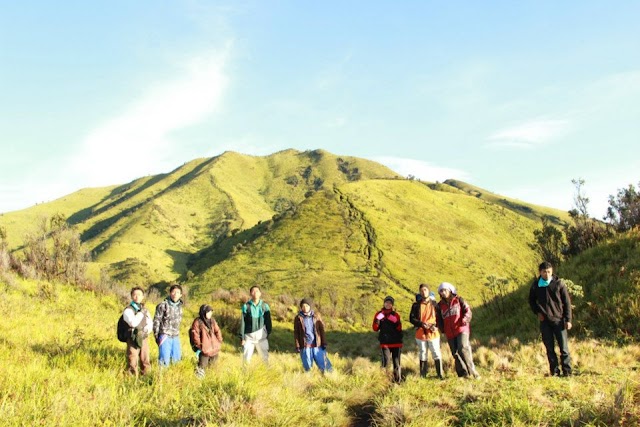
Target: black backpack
124	330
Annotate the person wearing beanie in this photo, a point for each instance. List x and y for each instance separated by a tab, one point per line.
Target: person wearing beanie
309	337
549	300
206	339
389	327
423	317
140	324
454	318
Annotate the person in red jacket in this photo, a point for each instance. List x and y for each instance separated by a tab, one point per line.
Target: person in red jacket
389	327
454	317
206	339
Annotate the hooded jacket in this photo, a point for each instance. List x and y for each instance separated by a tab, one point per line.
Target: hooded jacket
552	301
167	318
299	330
454	316
207	339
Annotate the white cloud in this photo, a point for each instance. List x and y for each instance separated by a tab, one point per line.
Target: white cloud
421	169
528	135
134	143
138	141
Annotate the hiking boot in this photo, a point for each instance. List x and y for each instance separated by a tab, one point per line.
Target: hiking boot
439	368
424	368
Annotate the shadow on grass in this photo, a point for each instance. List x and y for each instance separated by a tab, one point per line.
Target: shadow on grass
64	354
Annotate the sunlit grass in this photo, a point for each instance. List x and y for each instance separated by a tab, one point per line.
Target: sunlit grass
60	364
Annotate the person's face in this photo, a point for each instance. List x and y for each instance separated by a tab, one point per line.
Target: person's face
306	308
256	294
388	305
175	295
424	291
209	314
547	273
137	296
445	293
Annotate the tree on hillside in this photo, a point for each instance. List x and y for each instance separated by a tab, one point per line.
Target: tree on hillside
55	252
5	259
624	209
585	232
549	242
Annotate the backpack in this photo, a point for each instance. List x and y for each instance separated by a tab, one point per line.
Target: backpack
191	341
124	331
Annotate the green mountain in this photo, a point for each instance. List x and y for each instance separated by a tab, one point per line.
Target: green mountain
335	227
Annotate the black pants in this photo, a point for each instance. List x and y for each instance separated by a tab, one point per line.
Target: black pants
552	332
394	355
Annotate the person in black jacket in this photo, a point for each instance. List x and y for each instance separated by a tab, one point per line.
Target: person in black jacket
389	327
549	300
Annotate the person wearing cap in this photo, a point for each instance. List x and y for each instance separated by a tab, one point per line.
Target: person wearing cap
389	327
206	339
423	317
454	317
310	339
549	300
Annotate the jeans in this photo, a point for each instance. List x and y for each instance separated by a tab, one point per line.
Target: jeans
309	355
461	351
551	331
169	350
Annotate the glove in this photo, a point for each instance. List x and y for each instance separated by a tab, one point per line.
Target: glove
198	354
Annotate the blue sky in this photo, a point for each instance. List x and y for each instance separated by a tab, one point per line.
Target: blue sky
516	97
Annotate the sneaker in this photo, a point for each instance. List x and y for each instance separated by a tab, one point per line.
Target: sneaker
200	373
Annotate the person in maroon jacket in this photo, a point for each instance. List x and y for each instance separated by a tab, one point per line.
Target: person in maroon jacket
389	327
454	317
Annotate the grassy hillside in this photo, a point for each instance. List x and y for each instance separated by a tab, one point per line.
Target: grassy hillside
19	223
350	247
527	209
337	228
71	373
145	230
610	278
